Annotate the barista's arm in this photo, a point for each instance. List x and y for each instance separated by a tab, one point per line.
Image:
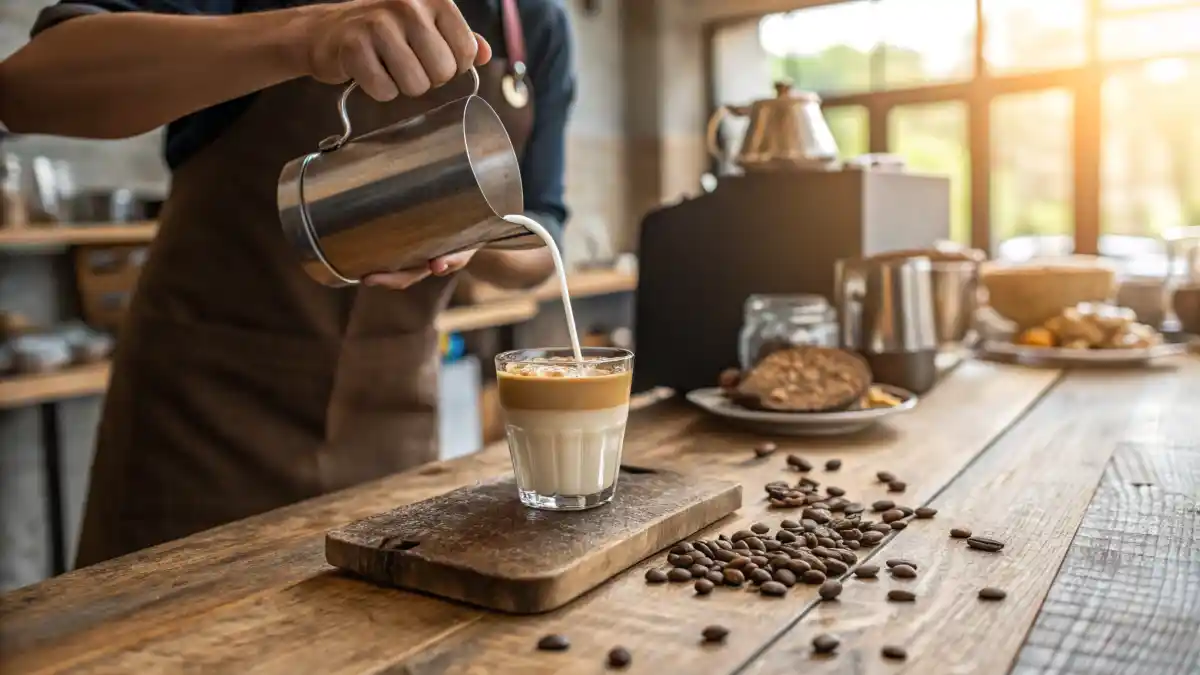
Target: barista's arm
116	68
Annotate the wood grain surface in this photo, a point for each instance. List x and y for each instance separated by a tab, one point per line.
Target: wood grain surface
481	545
1127	598
1029	490
256	596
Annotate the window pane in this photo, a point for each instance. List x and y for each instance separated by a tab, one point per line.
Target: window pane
1139	35
1026	35
850	127
1118	5
1150	150
916	50
1032	175
932	138
823	49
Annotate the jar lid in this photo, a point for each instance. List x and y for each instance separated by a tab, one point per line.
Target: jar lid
793	302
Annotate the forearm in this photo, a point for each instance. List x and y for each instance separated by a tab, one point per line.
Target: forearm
512	269
133	72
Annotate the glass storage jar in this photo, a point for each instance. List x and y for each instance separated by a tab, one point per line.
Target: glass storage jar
776	321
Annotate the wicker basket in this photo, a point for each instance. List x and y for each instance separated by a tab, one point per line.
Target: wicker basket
1030	294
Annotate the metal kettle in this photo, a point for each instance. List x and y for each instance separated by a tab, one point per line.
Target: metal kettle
787	132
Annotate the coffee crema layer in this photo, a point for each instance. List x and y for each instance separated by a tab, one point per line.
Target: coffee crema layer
562	389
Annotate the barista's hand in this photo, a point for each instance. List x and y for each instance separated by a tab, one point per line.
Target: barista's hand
440	267
391	46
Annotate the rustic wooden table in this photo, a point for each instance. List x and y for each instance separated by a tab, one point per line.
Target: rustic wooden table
1091	477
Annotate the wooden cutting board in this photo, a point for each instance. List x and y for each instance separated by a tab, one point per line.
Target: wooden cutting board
479	544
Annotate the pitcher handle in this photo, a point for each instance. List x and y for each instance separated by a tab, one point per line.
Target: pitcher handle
334	142
710	137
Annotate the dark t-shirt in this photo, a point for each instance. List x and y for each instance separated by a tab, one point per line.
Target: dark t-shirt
548	42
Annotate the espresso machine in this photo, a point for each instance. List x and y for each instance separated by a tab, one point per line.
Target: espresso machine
778	227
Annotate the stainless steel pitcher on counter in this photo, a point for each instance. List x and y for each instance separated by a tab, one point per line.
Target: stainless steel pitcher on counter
402	195
886	311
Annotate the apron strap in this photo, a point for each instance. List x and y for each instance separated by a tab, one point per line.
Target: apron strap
514	38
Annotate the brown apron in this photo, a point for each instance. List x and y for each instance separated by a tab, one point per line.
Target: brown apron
240	385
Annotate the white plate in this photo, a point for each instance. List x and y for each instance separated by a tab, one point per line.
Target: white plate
799	424
1111	357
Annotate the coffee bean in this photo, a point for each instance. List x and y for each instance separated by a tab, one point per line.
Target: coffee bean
808	525
785	536
702	560
836	567
894	652
899	525
740	535
814	577
826	542
991	593
985	544
891	516
750	567
849	557
853	545
724	555
789	525
741	545
885	476
799	463
760	560
755	544
905	510
830	589
760	528
679	559
698	571
778	561
825	643
960	532
833	465
872	538
882	528
901	595
715	633
773	588
723	544
738	562
771	544
679	574
554	643
897	486
798	567
619	657
926	512
837	504
734	577
785	577
682	548
883	505
764	449
893	562
810	539
904	572
866	571
760	576
655	576
835	491
704	586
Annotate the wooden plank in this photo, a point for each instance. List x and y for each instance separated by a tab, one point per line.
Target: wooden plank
25	390
1029	490
222	598
79	235
1127	597
583	284
480	545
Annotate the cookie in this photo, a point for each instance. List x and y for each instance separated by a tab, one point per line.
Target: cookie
805	379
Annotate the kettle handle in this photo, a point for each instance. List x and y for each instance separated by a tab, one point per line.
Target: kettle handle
710	136
334	142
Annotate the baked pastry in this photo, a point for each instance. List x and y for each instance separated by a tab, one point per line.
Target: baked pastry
805	379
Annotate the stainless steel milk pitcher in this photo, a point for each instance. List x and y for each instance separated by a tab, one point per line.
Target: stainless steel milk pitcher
400	196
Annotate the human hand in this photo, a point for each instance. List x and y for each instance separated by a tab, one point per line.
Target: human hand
440	267
391	47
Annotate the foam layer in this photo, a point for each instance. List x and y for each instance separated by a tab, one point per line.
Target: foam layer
569	453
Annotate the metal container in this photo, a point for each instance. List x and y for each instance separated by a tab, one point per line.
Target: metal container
886	313
787	132
400	196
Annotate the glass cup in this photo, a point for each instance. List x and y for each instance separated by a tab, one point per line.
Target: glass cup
565	423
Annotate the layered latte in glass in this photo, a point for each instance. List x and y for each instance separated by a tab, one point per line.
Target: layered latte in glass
565	422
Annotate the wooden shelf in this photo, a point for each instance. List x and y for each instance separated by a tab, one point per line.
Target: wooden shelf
78	235
25	390
583	284
489	315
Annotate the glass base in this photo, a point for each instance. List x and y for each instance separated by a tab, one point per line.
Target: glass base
535	500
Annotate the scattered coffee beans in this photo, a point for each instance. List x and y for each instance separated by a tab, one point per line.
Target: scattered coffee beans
991	593
833	465
799	463
773	588
893	562
619	657
679	574
901	595
885	476
554	643
655	576
825	643
814	577
764	449
760	576
925	512
835	491
734	577
904	572
715	633
760	528
704	586
866	571
883	505
985	544
960	532
830	589
715	576
899	524
785	576
894	652
897	486
891	515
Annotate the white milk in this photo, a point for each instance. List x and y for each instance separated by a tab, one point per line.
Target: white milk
534	227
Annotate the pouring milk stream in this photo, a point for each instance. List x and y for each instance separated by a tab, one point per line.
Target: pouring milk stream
534	227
